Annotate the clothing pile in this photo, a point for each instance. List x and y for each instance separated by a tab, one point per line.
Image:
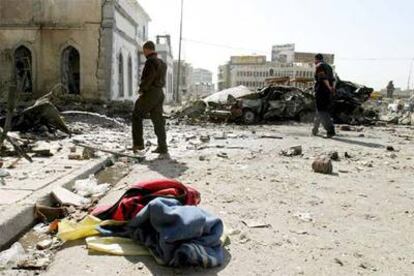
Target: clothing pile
158	218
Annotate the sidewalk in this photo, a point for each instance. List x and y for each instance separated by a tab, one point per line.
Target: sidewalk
29	183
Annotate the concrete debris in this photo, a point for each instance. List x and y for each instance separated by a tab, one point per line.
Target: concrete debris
292	151
11	257
45	244
88	153
334	156
67	198
205	138
4	173
390	148
74	156
90	188
322	165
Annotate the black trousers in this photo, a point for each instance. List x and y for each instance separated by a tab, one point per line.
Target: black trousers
325	118
149	103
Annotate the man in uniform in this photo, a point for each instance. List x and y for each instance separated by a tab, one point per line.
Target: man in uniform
324	92
150	101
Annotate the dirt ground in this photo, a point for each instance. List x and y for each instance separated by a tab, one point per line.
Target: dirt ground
357	221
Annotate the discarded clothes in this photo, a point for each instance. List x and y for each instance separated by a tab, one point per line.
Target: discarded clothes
139	195
178	235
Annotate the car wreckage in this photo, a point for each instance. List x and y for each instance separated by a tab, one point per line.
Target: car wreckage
280	102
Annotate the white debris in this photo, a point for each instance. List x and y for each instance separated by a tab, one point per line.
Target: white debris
66	197
90	187
306	217
10	257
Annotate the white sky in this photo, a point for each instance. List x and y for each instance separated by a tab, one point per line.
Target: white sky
373	40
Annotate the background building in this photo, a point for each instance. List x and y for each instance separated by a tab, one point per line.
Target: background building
286	54
201	83
256	72
186	73
163	47
91	47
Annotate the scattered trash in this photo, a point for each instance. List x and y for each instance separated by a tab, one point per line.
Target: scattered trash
306	217
255	224
223	155
390	148
45	244
66	197
322	165
292	151
347	155
338	261
49	214
90	188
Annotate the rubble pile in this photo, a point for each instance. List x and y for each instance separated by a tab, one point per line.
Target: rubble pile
399	112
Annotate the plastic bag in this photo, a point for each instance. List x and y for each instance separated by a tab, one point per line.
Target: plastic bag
116	246
90	187
70	231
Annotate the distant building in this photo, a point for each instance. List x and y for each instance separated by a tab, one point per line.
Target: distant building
186	73
201	83
283	53
286	54
254	71
91	47
163	47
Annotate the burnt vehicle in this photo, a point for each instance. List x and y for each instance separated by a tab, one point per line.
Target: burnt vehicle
274	103
347	106
291	103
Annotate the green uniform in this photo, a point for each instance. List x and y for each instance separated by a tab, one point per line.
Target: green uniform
151	102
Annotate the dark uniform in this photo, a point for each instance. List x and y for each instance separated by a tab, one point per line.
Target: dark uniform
151	102
324	98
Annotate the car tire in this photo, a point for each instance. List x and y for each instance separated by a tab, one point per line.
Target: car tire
249	117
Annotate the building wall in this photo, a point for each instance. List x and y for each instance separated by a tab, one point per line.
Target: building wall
129	33
47	27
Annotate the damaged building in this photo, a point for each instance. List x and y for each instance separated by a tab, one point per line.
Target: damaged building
91	47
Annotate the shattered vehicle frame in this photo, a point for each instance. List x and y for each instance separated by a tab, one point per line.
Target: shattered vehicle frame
274	103
291	103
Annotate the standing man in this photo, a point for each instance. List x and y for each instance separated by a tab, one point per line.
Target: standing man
324	92
150	101
390	89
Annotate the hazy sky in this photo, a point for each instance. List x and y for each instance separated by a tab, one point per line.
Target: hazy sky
373	40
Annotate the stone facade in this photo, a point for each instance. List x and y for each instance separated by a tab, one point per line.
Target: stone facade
84	45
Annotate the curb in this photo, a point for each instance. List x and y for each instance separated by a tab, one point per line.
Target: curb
20	217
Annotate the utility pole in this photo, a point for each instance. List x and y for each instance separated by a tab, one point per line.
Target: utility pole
177	92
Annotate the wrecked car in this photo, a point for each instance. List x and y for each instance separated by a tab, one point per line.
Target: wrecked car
274	102
291	103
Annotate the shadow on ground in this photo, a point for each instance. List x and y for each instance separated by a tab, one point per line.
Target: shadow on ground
168	168
358	143
157	269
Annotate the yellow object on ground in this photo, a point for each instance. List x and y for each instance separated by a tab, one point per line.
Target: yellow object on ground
70	230
116	246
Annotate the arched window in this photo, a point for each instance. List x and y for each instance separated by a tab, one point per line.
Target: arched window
271	72
70	65
130	77
23	64
121	75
